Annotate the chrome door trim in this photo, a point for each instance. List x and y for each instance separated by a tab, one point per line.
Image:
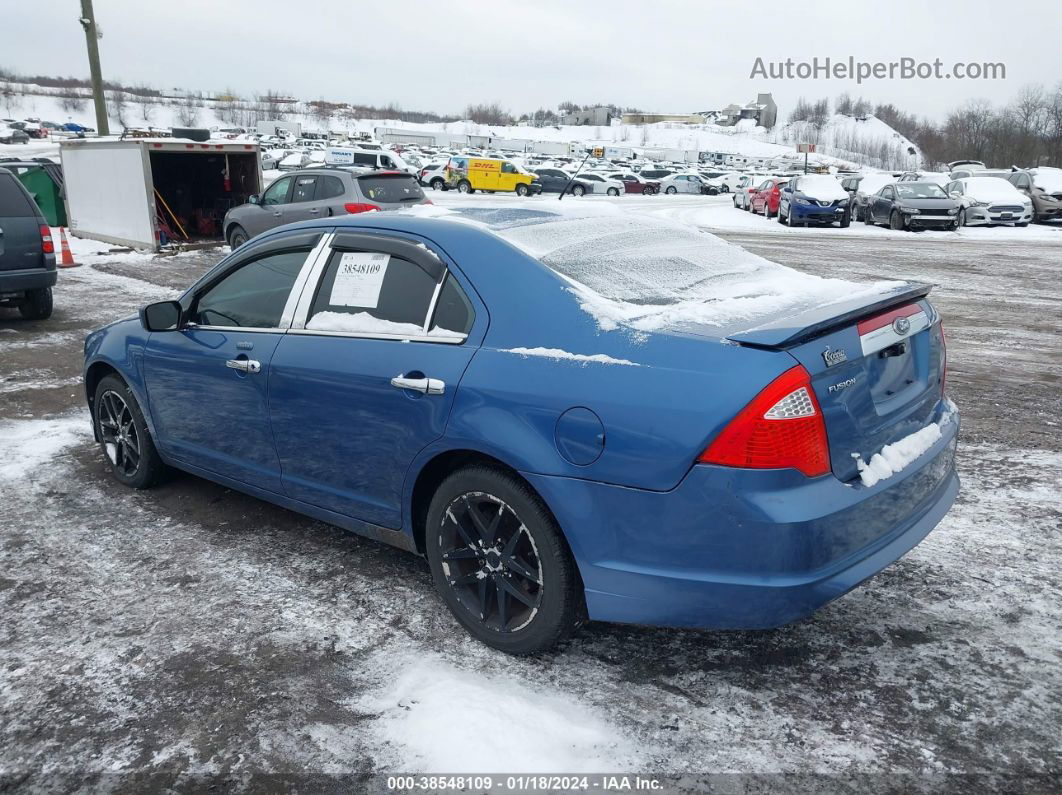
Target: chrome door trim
434	300
287	317
446	339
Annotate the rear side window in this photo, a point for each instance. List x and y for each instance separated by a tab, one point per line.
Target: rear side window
329	188
453	312
13	201
371	292
391	188
253	295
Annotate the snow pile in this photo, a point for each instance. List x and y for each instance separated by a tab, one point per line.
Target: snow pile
993	189
649	274
558	354
894	457
822	187
1048	179
30	444
440	719
364	323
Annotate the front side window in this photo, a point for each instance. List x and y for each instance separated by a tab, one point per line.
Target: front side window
277	193
253	295
508	168
370	292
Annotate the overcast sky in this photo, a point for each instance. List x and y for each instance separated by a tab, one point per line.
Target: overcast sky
661	55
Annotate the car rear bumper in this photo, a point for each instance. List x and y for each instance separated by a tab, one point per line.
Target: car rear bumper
744	549
27	279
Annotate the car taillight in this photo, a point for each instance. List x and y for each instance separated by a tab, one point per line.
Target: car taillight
782	427
359	207
428	201
47	246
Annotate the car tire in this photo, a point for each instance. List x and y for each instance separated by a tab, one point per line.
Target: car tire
724	189
785	220
895	221
961	220
647	191
438	184
868	217
613	191
767	210
1023	224
845	221
36	304
121	430
522	189
464	186
671	190
578	190
507	575
237	237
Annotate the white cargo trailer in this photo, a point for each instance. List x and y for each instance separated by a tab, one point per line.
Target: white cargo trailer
291	128
129	191
551	148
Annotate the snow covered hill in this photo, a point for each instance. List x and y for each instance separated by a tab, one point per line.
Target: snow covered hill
844	141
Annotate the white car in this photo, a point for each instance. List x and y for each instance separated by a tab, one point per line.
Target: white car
294	161
599	183
682	183
988	201
745	185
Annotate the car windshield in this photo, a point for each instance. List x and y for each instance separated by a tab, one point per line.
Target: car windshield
920	190
652	273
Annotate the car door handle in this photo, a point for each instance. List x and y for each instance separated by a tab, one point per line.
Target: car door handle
277	214
315	210
429	386
244	365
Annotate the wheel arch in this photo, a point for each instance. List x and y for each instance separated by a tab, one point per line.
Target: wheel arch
440	466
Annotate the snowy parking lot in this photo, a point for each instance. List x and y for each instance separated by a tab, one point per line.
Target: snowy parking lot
192	635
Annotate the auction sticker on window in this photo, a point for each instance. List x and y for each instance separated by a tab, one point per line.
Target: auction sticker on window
359	279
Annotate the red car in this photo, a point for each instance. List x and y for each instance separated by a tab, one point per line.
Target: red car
632	183
765	198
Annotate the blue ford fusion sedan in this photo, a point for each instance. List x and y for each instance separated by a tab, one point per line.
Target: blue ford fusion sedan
573	415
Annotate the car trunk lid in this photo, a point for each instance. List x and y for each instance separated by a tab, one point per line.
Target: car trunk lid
876	367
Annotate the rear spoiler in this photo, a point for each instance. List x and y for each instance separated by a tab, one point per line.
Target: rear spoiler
786	332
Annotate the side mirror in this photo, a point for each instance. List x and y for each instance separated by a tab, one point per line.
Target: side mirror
163	316
252	199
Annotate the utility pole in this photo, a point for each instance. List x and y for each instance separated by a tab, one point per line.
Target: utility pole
88	22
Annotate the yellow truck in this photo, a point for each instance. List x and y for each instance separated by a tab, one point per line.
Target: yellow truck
489	174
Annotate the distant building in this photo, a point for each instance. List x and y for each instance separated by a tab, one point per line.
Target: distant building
763	110
654	118
591	117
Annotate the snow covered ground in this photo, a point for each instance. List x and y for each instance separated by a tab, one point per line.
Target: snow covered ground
191	636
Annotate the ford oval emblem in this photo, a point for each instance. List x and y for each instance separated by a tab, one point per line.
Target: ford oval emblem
901	325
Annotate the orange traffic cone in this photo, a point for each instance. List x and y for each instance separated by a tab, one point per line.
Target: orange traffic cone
67	260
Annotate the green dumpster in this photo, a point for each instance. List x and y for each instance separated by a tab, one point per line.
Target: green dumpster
46	193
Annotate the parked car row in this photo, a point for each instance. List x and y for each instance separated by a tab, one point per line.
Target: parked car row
967	196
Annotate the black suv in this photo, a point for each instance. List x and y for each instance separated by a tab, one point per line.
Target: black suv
27	253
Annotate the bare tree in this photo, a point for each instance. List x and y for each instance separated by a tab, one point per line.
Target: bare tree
488	113
188	109
119	106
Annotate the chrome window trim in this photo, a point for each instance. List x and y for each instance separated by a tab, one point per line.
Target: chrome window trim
445	340
434	300
287	317
313	277
234	329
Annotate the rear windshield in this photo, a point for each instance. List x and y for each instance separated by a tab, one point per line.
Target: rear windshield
391	188
13	201
650	273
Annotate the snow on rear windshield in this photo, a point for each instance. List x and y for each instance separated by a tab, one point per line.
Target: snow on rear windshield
649	273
